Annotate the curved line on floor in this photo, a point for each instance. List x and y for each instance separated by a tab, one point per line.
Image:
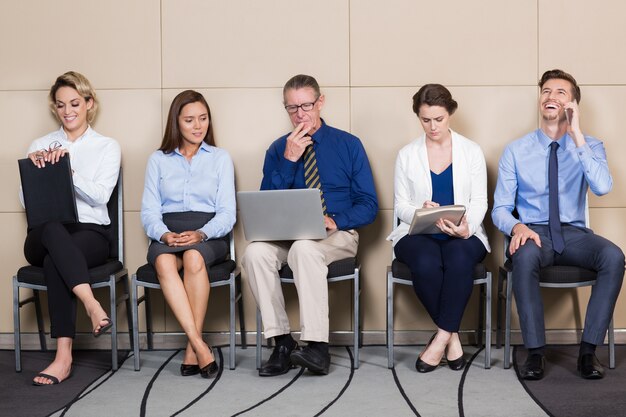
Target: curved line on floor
82	394
217	378
345	387
462	381
523	383
146	393
273	395
401	389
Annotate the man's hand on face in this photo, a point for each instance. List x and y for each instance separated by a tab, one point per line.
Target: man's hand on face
297	142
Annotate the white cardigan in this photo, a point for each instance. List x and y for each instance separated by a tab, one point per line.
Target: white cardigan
413	184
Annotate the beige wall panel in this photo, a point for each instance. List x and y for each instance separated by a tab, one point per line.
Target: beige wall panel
602	113
584	38
247	43
247	121
116	44
25	116
407	42
492	116
133	118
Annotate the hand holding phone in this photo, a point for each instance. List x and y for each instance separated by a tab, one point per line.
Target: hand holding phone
568	116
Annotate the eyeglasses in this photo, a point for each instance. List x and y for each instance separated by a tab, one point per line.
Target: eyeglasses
304	106
52	147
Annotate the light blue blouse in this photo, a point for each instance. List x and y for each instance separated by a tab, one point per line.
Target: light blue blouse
206	184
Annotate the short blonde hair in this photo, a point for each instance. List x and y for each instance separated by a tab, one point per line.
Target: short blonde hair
80	83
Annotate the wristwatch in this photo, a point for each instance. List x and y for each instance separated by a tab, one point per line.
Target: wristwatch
204	236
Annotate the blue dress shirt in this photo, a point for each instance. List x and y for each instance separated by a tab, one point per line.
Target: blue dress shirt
173	184
523	180
344	170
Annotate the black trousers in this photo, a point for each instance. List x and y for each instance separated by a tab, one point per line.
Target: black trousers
442	272
66	252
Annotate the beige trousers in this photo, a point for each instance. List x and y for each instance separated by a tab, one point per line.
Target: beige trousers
308	259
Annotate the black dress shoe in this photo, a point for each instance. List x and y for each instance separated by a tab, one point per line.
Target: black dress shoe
210	371
279	362
189	370
315	360
589	367
533	367
423	367
457	364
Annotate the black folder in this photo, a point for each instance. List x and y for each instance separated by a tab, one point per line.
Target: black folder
48	192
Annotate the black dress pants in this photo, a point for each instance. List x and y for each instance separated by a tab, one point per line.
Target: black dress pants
66	252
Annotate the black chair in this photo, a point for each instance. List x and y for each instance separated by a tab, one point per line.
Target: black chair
550	277
399	273
224	273
342	270
107	275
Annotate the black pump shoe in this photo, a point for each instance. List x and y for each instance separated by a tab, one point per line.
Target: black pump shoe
210	371
457	364
189	370
423	367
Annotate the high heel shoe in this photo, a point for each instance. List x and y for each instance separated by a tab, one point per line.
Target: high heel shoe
423	367
457	364
210	371
189	370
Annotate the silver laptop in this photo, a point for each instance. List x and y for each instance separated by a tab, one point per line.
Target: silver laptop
281	214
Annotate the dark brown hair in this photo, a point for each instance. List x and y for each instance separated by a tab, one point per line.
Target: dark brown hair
561	75
302	81
172	138
434	95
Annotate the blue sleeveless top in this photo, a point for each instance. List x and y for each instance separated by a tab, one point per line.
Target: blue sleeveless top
443	193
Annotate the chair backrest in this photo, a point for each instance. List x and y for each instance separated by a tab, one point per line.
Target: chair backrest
115	207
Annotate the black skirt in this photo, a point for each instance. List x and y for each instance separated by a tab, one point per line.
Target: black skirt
213	251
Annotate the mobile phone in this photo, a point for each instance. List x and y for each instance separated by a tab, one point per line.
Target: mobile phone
568	116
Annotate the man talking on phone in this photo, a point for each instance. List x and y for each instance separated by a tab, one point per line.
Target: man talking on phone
312	155
545	176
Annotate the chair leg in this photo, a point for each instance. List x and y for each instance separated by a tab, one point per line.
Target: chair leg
499	310
148	302
611	345
242	317
39	314
113	316
16	326
357	326
507	329
231	349
129	315
135	314
390	324
258	339
481	315
488	321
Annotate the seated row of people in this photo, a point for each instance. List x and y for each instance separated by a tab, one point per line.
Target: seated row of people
188	206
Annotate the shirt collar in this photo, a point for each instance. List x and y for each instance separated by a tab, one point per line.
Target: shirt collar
320	133
545	141
203	146
63	135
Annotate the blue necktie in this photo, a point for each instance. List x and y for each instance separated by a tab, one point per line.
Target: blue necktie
553	187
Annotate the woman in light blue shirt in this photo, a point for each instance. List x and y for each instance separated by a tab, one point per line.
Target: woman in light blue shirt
188	210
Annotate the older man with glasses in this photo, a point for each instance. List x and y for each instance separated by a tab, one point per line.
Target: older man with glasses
313	155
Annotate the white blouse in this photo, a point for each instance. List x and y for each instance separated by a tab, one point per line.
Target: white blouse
413	185
95	160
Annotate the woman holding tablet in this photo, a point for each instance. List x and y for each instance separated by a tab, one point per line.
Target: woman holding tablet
67	251
441	168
